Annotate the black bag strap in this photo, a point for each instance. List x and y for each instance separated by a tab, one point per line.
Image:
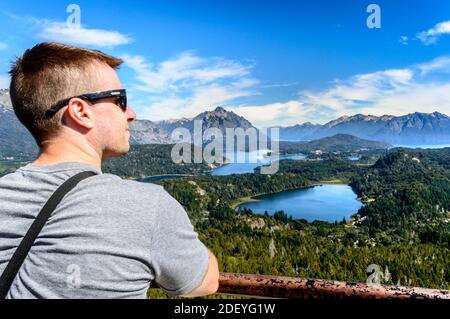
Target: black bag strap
21	252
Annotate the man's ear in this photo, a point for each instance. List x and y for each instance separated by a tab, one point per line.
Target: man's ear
79	113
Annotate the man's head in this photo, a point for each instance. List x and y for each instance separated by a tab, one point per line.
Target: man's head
50	73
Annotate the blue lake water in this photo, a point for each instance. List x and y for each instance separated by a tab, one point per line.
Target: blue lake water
247	162
325	202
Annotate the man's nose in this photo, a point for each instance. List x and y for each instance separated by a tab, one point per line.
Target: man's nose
131	115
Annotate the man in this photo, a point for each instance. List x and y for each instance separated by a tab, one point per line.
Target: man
108	238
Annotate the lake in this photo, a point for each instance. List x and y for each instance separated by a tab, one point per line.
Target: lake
247	163
324	202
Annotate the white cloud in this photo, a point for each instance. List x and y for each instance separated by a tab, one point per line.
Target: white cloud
61	32
431	36
394	92
187	84
3	45
285	113
425	98
71	33
184	70
419	88
439	65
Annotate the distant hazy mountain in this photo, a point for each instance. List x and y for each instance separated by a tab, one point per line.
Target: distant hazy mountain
412	129
299	132
335	143
5	99
148	132
15	141
170	125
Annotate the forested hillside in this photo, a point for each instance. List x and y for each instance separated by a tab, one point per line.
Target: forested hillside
404	226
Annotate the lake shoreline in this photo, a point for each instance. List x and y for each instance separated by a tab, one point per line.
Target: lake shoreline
249	199
350	218
252	165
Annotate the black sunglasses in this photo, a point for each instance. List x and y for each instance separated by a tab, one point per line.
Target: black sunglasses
92	97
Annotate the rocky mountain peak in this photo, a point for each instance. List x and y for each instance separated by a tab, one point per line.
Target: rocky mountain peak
220	109
222	118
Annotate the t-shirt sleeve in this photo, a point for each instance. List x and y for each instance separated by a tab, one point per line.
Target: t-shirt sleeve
179	259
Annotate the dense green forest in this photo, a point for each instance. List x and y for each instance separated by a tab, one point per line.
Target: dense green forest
412	197
150	160
325	168
403	227
343	143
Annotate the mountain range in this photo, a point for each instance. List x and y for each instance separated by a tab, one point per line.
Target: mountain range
411	129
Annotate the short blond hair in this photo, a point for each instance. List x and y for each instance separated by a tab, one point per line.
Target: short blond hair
48	73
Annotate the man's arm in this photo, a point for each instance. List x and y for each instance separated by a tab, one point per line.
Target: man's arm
181	263
210	283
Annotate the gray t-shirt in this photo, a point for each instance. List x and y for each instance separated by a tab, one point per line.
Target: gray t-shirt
108	238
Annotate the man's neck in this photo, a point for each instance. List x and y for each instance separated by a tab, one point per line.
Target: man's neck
60	151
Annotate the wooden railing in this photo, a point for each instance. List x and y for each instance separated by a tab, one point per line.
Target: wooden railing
263	286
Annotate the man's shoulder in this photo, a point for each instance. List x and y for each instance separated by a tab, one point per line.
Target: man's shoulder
147	201
121	185
115	179
108	192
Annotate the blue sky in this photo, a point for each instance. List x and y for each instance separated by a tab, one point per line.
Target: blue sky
274	62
